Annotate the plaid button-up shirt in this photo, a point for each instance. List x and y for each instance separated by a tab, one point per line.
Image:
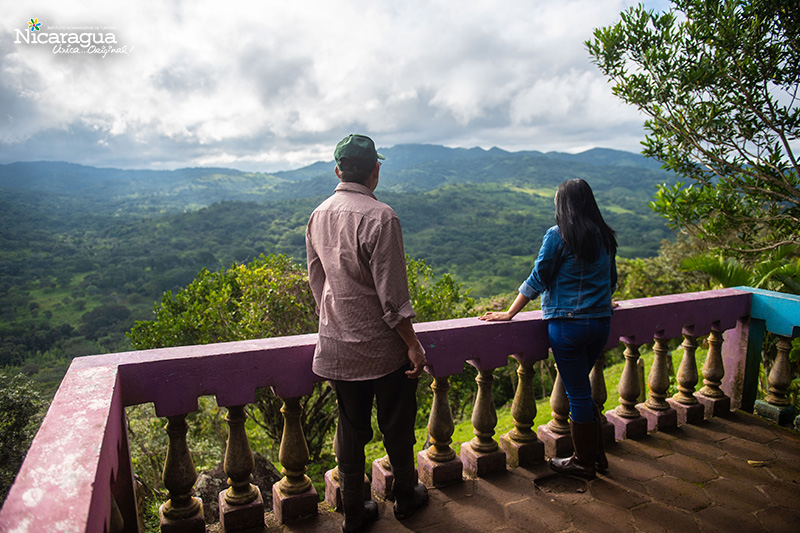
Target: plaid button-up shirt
357	272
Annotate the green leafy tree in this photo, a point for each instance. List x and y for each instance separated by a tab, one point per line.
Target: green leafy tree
20	407
718	81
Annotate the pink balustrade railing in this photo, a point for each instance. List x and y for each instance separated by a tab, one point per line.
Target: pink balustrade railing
77	475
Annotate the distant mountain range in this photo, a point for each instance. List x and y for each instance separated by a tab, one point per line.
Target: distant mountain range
408	168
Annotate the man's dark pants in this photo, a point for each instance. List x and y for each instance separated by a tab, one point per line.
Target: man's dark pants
396	401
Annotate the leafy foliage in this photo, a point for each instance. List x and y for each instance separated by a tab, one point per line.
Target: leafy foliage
268	297
436	299
778	270
662	274
718	81
20	412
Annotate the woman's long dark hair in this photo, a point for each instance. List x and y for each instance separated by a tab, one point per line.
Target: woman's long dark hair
579	220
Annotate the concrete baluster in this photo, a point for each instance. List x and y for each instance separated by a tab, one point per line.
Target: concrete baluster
597	379
481	456
559	405
687	372
241	505
439	464
658	380
440	425
690	411
484	414
711	396
293	496
629	383
182	511
117	522
556	434
627	421
777	406
656	409
780	376
521	446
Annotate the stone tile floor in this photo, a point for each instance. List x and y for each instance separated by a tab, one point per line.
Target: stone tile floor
735	474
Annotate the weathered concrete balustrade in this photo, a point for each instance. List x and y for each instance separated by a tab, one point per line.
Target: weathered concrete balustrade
78	472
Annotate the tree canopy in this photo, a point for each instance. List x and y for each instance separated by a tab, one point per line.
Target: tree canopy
718	81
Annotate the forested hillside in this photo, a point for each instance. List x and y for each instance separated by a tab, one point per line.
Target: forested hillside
84	252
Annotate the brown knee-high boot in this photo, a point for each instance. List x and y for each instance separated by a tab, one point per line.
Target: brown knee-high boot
358	512
585	441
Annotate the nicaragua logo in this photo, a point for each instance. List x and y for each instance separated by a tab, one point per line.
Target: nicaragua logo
71	40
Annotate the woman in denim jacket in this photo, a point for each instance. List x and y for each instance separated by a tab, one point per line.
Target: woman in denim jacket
576	275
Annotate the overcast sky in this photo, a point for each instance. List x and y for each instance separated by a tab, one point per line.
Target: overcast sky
265	85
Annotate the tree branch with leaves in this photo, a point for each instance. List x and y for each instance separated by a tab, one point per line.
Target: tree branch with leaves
718	82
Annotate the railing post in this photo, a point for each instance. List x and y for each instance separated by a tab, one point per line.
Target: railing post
655	409
182	511
521	446
690	411
481	456
627	421
241	506
556	434
439	464
741	356
294	496
776	406
711	396
123	489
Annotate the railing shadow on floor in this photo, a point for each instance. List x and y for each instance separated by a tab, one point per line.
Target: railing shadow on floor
77	475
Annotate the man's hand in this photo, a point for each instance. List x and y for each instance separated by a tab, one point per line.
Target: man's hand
416	354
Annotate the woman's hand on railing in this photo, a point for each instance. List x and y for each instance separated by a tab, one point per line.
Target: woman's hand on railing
496	316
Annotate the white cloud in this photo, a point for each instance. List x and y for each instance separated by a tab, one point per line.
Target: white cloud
264	85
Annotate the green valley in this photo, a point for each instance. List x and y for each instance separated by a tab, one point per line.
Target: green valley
84	252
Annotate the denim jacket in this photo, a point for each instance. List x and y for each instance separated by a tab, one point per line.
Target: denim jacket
570	288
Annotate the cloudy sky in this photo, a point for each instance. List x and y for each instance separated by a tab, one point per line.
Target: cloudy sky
266	85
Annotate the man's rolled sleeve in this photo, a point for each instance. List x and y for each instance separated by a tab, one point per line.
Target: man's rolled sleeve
393	318
388	267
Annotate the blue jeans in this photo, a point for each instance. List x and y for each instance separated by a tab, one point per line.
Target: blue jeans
576	345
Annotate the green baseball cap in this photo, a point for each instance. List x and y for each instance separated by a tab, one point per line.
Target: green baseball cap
356	152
